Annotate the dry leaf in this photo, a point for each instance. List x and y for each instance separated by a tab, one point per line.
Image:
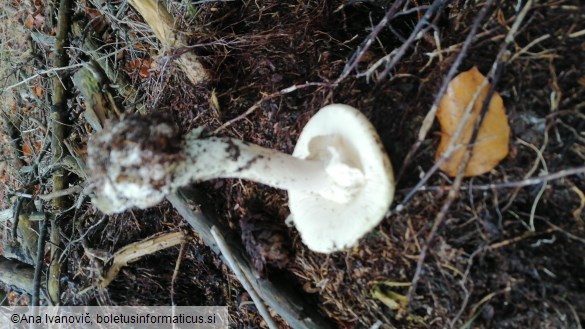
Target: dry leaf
384	292
29	21
142	66
38	91
144	72
29	148
491	145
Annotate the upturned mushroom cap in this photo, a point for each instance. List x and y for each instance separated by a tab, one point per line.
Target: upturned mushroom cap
348	145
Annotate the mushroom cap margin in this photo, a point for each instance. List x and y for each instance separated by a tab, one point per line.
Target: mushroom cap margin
327	226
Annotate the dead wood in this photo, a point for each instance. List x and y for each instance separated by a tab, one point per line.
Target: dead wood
278	295
58	117
16	274
39	262
137	250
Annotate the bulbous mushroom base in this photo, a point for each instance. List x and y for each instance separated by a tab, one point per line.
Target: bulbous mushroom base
131	163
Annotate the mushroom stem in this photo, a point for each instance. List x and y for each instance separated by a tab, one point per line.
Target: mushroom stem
338	174
215	157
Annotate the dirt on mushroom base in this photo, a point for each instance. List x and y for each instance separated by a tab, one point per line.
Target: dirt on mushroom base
483	266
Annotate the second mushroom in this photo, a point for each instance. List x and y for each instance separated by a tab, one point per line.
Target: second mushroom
339	179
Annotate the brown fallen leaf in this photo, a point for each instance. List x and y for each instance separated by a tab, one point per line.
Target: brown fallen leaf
491	145
31	148
29	21
142	66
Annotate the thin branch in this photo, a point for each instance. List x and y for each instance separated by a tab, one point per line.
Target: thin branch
16	217
219	239
278	295
271	96
421	27
61	193
58	115
176	271
39	262
353	62
524	236
493	186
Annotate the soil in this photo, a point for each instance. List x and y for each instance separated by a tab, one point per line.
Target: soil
483	264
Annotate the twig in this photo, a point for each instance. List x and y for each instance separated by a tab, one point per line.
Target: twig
176	271
423	23
516	184
57	70
58	115
271	96
540	159
453	146
453	193
560	229
429	119
574	313
464	278
242	278
16	217
136	250
39	262
524	236
61	193
353	62
41	73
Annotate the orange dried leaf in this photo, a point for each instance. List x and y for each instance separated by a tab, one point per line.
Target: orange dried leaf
491	145
141	65
28	148
28	22
133	64
144	72
38	91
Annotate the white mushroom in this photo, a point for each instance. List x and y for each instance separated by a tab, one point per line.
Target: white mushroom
339	179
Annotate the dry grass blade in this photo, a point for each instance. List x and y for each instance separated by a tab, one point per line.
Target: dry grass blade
137	250
162	23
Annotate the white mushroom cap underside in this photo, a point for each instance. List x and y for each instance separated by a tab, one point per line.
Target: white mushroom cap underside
325	225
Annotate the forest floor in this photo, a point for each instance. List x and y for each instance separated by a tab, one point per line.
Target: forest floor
504	251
